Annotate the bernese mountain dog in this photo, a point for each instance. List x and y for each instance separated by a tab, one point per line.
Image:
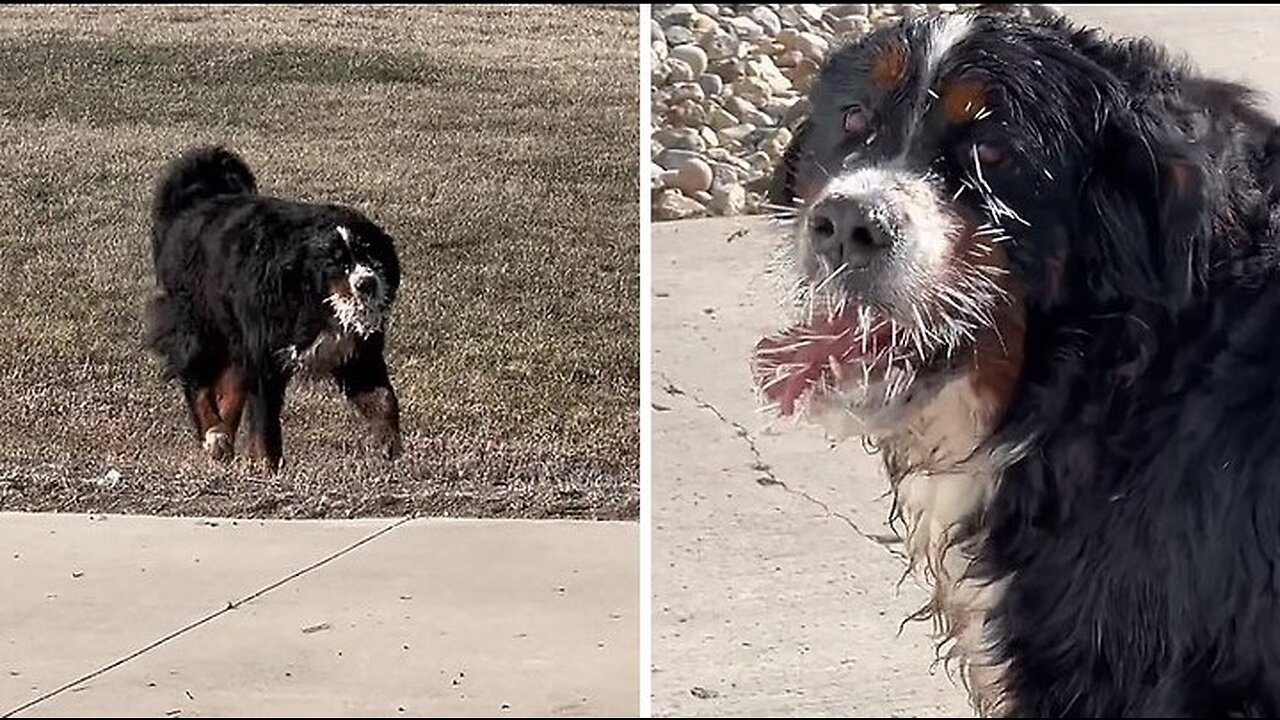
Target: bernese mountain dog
1035	268
253	290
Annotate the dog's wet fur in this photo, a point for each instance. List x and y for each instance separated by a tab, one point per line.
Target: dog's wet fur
253	290
1078	236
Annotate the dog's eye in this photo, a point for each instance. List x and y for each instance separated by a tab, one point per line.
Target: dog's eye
857	120
991	153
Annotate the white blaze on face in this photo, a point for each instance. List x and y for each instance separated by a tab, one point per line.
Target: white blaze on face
945	32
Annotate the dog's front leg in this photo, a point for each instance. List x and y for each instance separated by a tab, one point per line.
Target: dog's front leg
365	382
205	420
266	402
381	410
231	398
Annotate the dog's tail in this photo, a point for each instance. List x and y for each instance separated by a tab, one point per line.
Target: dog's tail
197	174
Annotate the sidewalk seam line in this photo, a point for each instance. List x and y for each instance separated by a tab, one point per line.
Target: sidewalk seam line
769	477
231	605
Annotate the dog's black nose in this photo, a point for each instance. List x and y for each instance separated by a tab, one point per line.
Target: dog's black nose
842	232
367	285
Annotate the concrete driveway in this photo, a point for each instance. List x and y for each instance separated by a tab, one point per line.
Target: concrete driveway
364	618
775	579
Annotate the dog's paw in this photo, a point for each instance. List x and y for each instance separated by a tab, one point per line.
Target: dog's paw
385	443
267	466
392	447
218	444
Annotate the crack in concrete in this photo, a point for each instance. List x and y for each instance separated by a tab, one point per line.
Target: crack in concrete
771	479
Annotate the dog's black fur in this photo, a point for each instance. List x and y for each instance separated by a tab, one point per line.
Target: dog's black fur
1138	528
243	280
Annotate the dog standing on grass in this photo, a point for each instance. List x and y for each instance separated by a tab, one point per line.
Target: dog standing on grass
254	290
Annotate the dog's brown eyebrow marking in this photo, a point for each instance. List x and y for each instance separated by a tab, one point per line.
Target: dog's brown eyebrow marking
889	68
962	100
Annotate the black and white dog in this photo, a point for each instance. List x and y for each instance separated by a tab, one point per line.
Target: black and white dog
1040	269
254	289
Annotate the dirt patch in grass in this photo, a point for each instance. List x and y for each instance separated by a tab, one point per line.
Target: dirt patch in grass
498	145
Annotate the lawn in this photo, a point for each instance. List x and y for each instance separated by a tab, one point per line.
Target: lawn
499	145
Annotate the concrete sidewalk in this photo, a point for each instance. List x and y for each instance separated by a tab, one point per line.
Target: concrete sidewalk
431	618
775	578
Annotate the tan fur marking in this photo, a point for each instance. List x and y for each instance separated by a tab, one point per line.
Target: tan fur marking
206	410
380	408
889	68
1180	176
998	356
962	100
231	398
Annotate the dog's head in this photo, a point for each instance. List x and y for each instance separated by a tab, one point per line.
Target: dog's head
358	273
957	173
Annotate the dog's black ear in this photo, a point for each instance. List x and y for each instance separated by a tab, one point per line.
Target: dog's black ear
787	184
1147	195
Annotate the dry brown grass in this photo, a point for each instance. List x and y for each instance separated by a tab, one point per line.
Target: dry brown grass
499	145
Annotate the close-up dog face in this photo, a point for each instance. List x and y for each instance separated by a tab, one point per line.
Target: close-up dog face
360	275
956	172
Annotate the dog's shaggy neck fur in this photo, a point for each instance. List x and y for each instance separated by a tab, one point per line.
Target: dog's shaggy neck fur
1086	457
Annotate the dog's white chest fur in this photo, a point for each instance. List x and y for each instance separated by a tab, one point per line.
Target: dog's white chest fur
946	479
329	350
942	477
